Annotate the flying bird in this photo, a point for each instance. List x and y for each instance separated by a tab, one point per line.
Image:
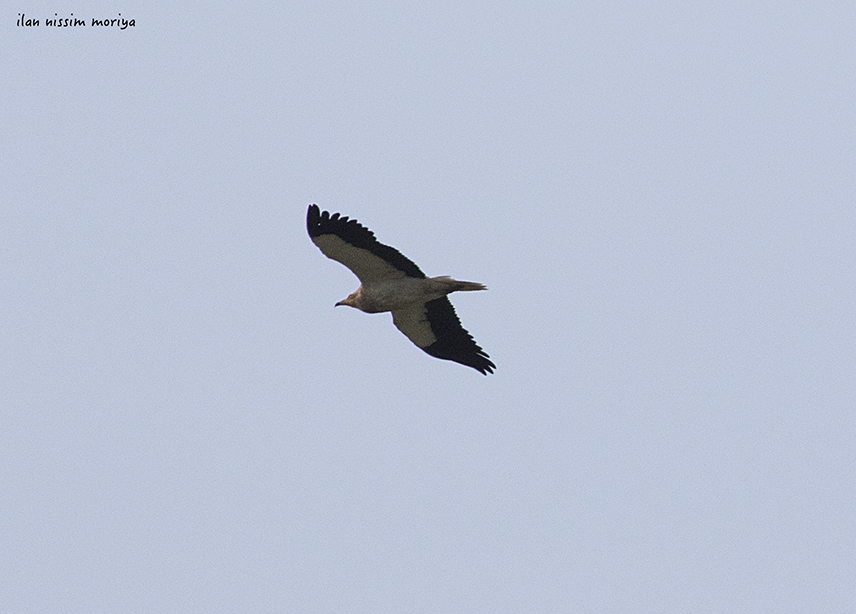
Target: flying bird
392	282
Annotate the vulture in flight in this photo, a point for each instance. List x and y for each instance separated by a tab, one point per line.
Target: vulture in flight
392	282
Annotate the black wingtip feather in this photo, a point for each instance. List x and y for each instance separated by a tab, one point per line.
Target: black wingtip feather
322	222
453	341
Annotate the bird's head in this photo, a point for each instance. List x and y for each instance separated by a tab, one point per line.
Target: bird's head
351	301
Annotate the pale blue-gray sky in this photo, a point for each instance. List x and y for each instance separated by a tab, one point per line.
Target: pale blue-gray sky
660	197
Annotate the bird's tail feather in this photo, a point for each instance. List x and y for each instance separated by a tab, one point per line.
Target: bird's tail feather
453	285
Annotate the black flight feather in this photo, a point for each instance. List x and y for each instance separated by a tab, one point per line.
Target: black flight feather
453	341
351	231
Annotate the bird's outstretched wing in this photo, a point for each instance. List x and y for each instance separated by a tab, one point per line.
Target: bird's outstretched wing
434	327
355	246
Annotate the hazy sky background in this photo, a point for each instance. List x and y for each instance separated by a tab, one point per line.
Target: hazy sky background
659	195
